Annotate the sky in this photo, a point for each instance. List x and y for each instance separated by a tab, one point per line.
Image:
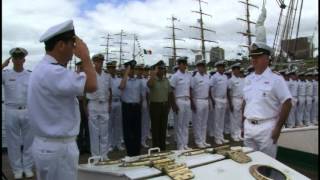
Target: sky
24	21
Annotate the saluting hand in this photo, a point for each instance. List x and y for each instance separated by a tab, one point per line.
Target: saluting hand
81	50
6	62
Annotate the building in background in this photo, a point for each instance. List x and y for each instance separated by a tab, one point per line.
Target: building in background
216	54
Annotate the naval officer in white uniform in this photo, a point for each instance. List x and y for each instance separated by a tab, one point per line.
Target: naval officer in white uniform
314	110
53	104
293	88
180	82
18	132
99	106
219	83
115	125
301	99
235	99
200	87
309	99
267	103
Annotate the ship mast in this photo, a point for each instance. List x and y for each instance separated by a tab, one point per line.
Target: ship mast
174	39
121	43
202	29
107	46
247	33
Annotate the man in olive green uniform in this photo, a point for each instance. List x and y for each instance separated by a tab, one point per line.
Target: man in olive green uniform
160	91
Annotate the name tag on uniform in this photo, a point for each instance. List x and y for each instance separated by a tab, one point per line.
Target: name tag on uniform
180	79
266	82
12	79
200	81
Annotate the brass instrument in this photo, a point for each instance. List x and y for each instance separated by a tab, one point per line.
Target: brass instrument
108	162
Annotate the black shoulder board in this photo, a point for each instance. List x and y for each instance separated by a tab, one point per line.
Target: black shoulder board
194	73
29	70
57	64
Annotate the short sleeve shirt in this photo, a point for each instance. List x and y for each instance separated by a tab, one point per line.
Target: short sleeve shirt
235	85
264	95
15	86
52	99
180	82
200	85
219	83
104	84
133	90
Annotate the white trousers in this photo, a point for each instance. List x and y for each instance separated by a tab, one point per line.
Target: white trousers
235	118
98	128
199	120
115	124
314	110
182	122
292	115
258	137
307	110
18	132
300	110
219	114
210	124
226	127
145	122
55	160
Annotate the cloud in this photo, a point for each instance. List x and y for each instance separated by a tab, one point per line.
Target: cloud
25	21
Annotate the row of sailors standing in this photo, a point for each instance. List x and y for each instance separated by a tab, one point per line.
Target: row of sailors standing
303	87
204	101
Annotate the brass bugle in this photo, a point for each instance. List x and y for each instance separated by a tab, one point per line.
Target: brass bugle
108	162
136	163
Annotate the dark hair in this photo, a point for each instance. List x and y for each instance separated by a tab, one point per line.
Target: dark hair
65	37
18	55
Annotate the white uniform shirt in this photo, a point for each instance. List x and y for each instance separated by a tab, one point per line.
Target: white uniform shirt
181	83
301	88
293	87
103	86
235	84
115	83
219	84
132	92
264	95
52	99
315	87
145	88
200	85
15	86
309	88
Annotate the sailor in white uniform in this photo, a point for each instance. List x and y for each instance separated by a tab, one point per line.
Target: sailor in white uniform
293	88
267	103
180	82
314	111
115	125
53	104
99	106
226	128
145	117
235	99
267	99
15	82
200	87
301	99
309	99
219	83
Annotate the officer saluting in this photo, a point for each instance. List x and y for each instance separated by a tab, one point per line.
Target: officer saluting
131	98
15	82
53	104
267	100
